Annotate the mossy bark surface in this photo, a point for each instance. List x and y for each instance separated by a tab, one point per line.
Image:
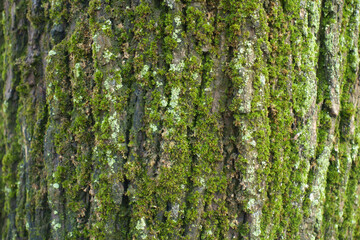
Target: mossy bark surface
179	119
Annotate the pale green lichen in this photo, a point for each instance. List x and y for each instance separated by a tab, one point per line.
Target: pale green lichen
175	35
177	67
170	3
115	127
78	70
174	97
177	20
262	79
195	75
106	27
110	159
55	225
140	225
153	127
163	102
108	55
202	182
209	232
51	53
77	99
5	106
317	195
144	70
56	3
95	45
159	84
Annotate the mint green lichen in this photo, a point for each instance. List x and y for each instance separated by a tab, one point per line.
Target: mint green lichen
174	97
177	67
108	55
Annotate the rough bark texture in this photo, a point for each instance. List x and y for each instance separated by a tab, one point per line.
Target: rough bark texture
179	119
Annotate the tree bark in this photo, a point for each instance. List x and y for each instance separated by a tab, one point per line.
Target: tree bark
179	119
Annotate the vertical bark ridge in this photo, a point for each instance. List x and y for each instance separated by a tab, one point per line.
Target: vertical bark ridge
328	97
33	117
15	39
109	104
340	167
2	136
246	37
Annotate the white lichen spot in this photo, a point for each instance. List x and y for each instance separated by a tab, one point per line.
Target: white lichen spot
56	3
108	55
141	224
95	36
106	27
257	232
110	159
177	20
247	136
96	47
163	102
118	79
311	197
159	84
56	185
195	75
170	3
175	35
115	127
5	106
112	84
177	67
144	70
241	50
108	85
77	99
153	127
202	182
78	70
51	53
174	97
250	204
175	210
48	90
262	80
57	226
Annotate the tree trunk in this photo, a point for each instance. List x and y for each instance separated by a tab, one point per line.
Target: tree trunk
179	119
